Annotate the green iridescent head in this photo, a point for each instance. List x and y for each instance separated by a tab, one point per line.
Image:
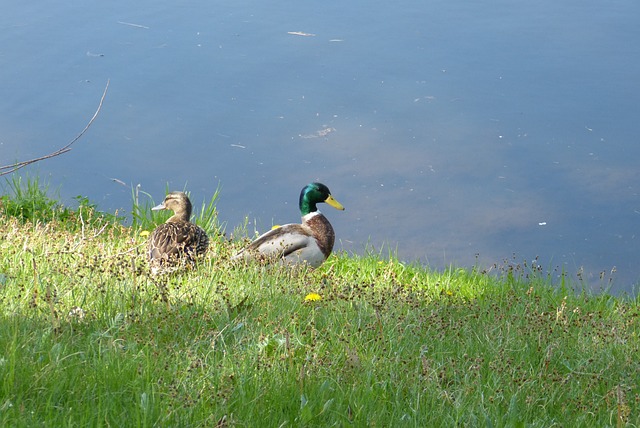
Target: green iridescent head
315	193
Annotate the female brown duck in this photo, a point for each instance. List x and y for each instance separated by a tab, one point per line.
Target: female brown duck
177	240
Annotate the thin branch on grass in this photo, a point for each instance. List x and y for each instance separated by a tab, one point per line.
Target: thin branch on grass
8	169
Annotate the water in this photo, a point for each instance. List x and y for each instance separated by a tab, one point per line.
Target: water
454	132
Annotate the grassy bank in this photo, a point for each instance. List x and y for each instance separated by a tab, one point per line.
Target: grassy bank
88	338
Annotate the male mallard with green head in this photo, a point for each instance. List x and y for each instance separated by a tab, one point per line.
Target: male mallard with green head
310	242
177	239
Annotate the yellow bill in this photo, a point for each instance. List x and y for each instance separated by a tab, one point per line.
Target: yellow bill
335	204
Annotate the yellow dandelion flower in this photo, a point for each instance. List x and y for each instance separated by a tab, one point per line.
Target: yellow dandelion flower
312	297
144	233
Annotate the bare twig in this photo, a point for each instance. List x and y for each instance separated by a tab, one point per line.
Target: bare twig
8	169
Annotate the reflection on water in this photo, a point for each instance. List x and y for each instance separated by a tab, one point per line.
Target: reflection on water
447	129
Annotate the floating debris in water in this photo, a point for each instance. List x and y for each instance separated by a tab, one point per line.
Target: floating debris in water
130	24
300	33
321	133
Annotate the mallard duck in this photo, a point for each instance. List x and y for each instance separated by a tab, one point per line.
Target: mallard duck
310	242
177	239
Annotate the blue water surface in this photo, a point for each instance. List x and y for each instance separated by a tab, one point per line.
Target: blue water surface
454	132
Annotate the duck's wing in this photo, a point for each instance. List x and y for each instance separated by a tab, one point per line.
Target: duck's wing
173	239
163	240
279	242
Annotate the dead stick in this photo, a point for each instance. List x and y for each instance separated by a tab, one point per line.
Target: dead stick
4	170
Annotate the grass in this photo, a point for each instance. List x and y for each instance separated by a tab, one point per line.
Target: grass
28	200
88	338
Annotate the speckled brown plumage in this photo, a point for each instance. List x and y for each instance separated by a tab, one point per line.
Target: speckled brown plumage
177	240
